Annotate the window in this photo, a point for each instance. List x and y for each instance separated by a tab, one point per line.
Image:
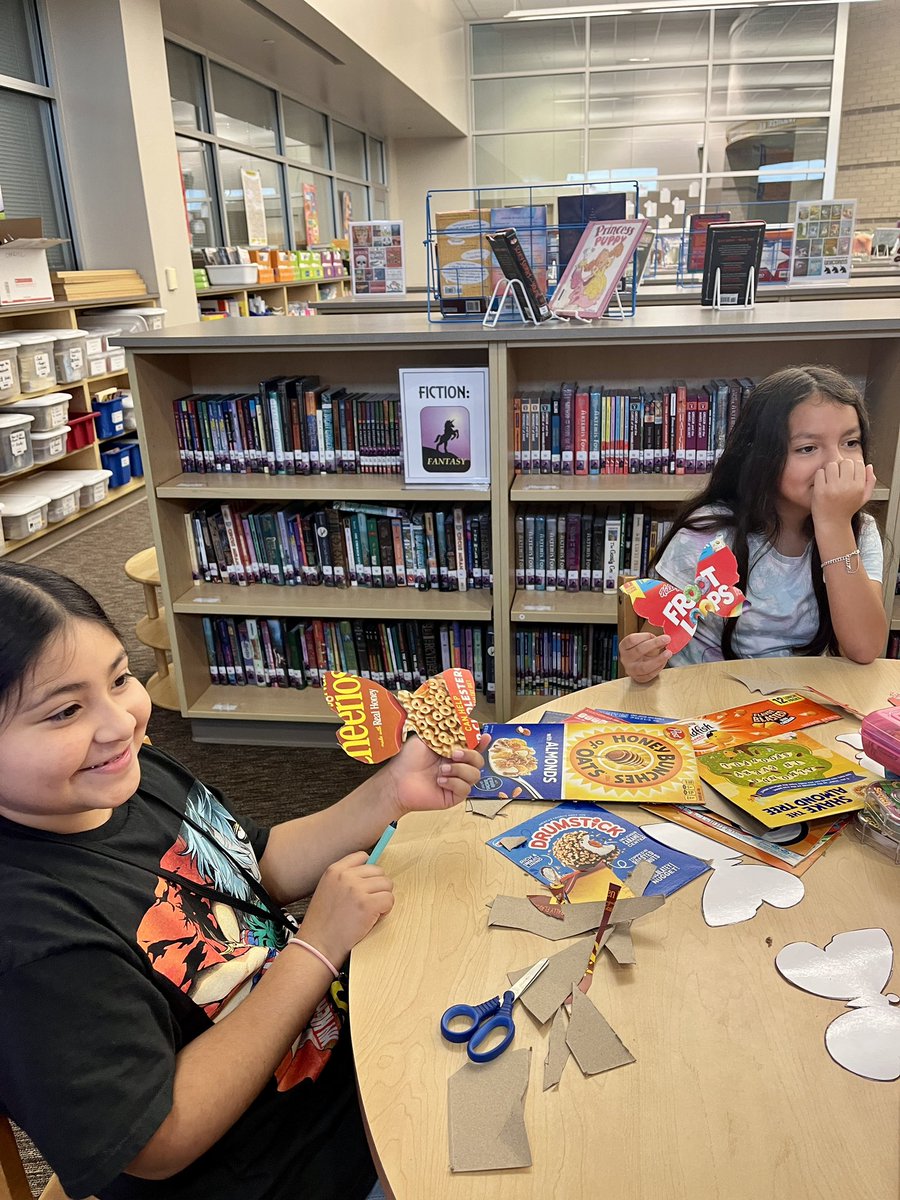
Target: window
20	46
186	88
349	150
317	204
527	46
231	163
353	204
245	110
529	102
204	224
305	134
649	38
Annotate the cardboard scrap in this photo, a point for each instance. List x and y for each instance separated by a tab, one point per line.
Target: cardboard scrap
756	681
547	906
511	843
594	1044
640	877
552	986
517	912
485	1109
487	808
557	1050
620	945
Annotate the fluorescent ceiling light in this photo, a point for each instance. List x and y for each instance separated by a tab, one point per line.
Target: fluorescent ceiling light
613	10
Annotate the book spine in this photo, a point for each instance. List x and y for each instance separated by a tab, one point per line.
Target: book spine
582	432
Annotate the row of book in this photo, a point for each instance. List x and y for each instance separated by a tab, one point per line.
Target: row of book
292	425
552	662
584	549
342	545
587	429
276	653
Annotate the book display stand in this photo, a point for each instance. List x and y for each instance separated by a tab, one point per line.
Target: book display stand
504	289
749	300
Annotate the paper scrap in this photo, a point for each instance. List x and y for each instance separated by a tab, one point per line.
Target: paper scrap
517	912
640	877
557	1050
554	983
546	905
755	681
487	808
511	843
486	1117
594	1044
620	945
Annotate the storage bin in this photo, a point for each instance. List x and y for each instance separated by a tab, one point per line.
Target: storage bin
115	361
108	407
124	320
70	355
47	446
62	490
240	274
93	343
82	431
128	417
49	412
9	369
118	462
15	442
134	455
93	485
23	513
37	368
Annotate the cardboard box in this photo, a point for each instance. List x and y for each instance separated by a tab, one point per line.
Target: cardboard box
24	273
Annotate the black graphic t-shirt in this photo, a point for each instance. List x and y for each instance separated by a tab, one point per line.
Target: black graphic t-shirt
118	947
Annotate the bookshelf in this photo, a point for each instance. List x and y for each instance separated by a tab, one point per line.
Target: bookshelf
280	295
860	337
64	315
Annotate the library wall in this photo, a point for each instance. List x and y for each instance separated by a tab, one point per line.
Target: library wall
869	154
419	166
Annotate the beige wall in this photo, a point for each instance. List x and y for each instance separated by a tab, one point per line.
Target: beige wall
869	155
419	166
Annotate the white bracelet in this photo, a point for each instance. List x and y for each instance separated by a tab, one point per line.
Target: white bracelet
846	559
295	941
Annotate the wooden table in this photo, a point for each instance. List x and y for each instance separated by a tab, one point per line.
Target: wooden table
733	1095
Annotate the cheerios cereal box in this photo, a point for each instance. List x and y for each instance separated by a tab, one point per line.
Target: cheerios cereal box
612	763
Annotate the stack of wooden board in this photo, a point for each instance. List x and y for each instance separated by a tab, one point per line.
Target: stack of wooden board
97	285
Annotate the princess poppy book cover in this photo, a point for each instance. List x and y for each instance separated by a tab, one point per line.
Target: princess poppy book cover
600	260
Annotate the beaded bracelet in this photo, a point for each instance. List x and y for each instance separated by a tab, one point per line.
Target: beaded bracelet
295	941
845	559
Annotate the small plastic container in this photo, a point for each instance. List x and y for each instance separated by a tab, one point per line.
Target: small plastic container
48	446
115	361
49	412
82	431
23	513
881	737
134	456
70	355
117	461
61	491
113	321
93	485
15	442
9	369
37	367
128	415
229	274
110	417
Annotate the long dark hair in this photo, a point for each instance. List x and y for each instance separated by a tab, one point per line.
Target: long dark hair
35	604
744	484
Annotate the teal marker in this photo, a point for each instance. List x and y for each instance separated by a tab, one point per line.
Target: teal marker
382	842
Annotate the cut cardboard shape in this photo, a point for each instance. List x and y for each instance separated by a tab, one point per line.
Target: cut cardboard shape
600	939
557	1050
714	593
486	1114
553	985
855	743
487	808
853	967
511	843
735	891
640	877
756	680
594	1044
620	945
517	912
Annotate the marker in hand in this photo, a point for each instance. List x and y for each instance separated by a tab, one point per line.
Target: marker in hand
382	842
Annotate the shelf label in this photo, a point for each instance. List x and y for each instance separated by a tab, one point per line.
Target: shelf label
207	600
225	707
534	608
541	487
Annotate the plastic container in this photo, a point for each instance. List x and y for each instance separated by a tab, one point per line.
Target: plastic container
93	485
49	412
63	493
70	355
117	461
48	446
113	321
128	415
134	456
37	367
881	737
115	361
9	369
240	274
15	442
23	514
82	431
110	417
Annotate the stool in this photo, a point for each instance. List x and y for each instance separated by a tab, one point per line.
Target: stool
151	630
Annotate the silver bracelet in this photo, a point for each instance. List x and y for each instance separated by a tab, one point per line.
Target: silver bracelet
846	559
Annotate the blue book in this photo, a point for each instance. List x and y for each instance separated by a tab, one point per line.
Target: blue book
588	847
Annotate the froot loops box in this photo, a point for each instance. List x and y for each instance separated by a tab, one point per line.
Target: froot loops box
615	763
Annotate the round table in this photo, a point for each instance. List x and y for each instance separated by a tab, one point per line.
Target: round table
733	1095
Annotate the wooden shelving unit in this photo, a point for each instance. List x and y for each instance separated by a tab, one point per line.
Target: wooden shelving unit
64	315
860	337
280	295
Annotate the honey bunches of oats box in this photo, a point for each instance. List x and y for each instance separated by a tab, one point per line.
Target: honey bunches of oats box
610	763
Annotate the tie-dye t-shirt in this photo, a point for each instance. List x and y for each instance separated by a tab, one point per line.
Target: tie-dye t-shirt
782	614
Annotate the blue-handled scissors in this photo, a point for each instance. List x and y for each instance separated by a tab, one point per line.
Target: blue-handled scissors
484	1020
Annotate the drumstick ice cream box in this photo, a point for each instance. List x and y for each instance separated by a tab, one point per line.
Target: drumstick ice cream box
612	763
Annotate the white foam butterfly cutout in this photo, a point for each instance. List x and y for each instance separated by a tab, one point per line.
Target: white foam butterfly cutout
853	967
735	890
854	741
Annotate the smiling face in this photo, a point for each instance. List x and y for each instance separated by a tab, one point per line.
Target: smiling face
820	431
69	746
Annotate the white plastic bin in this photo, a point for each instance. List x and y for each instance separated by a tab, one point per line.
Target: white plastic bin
37	368
125	320
49	412
93	485
23	514
9	369
128	416
115	361
62	490
70	355
48	446
15	442
238	274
